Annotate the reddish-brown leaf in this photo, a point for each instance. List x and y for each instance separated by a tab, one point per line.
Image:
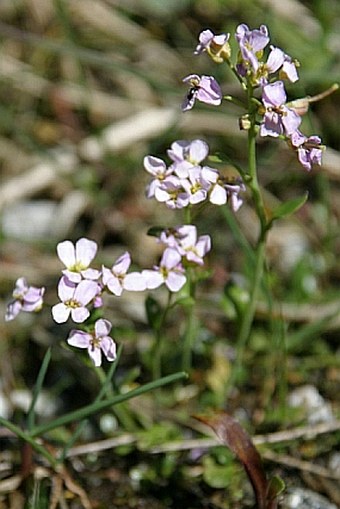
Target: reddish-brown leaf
231	433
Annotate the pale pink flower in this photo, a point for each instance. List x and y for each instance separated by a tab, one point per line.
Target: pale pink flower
309	149
204	89
172	193
169	271
278	118
186	155
97	342
184	239
74	299
195	185
158	169
25	298
116	279
77	259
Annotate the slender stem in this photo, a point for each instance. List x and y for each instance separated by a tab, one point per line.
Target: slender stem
157	351
191	325
249	313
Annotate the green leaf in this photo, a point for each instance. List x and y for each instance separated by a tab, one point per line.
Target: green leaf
275	487
217	476
289	207
155	231
184	302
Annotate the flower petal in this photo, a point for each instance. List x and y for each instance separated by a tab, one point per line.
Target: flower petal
134	282
175	281
109	348
95	355
66	253
79	315
85	251
66	289
85	291
102	327
60	312
153	279
80	339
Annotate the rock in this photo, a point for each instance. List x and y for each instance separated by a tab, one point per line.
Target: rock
299	498
313	406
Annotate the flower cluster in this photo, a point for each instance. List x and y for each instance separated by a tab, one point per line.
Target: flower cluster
186	182
278	119
182	246
81	287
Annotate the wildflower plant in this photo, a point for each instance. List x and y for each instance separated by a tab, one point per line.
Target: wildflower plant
187	182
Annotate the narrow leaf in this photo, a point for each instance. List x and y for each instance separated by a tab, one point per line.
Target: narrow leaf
231	434
38	388
289	207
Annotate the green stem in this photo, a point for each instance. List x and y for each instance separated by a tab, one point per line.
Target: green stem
157	351
191	326
248	317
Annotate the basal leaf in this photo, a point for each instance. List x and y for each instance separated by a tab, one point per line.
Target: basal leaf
231	433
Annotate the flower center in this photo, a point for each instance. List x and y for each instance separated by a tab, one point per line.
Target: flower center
72	303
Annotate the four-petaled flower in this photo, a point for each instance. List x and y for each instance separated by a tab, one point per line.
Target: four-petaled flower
251	43
309	150
184	240
97	342
169	271
204	89
187	154
195	185
74	299
77	259
157	168
117	279
172	193
25	298
278	118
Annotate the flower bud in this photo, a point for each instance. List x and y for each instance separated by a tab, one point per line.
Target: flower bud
244	123
219	53
300	106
